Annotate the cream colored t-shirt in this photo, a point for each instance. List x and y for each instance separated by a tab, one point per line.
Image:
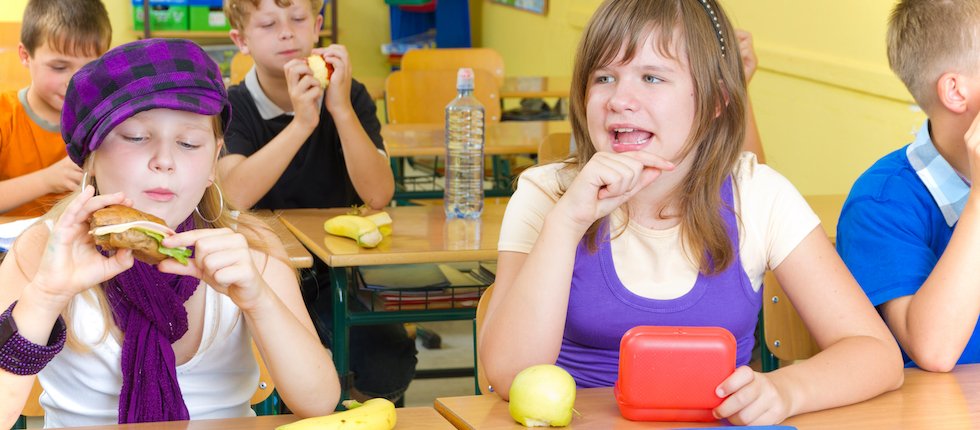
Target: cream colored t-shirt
774	219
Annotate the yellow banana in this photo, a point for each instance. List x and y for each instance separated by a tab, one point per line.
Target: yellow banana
383	221
361	229
374	414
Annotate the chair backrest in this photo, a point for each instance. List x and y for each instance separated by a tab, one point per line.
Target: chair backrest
421	96
786	335
555	147
33	407
454	58
240	65
481	311
266	386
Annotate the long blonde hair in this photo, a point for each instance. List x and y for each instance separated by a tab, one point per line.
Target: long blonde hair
211	207
719	124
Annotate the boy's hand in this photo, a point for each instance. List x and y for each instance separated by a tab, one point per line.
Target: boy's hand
304	92
752	399
63	176
338	92
747	52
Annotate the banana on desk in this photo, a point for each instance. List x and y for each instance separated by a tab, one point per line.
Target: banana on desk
374	414
367	231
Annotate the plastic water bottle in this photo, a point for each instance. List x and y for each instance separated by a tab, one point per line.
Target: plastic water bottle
464	151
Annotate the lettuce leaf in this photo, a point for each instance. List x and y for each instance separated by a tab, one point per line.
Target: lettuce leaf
180	254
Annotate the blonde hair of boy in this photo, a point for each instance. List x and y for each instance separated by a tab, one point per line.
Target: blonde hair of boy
719	124
927	38
71	27
238	11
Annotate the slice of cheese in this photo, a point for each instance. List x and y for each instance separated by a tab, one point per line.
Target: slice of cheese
145	225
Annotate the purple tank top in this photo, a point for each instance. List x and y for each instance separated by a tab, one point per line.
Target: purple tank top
601	309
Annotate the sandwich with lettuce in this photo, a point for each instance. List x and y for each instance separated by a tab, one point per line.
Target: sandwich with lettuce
122	227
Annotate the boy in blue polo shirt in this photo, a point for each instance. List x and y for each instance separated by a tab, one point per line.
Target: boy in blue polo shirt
910	228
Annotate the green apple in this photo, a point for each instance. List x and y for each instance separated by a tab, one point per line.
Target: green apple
542	396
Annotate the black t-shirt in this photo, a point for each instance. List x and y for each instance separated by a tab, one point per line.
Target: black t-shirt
317	176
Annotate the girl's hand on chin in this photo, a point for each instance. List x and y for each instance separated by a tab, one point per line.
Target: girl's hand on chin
223	260
71	263
607	181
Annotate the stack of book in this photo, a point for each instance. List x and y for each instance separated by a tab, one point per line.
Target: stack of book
424	286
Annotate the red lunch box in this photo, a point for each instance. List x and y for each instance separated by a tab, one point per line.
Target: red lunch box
671	373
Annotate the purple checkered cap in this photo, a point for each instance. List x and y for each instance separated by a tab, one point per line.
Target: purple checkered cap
146	74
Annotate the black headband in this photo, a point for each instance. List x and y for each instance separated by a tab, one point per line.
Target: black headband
714	21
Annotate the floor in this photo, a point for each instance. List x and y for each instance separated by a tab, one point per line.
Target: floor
456	351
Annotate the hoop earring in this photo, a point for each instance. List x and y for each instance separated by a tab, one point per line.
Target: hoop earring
221	207
84	182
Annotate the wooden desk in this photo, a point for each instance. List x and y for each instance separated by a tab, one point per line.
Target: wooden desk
420	234
926	401
508	137
299	257
503	138
418	418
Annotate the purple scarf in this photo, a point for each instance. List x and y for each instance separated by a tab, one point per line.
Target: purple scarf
149	308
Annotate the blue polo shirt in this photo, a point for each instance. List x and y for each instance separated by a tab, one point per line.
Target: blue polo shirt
897	221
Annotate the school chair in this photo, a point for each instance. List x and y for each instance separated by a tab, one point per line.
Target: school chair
481	311
453	58
784	336
240	65
421	96
555	147
265	401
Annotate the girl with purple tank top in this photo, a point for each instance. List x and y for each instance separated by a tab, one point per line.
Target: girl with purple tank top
658	109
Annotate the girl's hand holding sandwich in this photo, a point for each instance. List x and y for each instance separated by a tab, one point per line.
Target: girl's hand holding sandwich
223	260
71	263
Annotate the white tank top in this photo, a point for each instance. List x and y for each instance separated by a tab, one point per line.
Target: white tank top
82	388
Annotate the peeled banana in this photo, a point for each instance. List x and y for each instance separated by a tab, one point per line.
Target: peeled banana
374	414
383	221
356	227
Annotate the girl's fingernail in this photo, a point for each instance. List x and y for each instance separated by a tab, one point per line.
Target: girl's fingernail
719	392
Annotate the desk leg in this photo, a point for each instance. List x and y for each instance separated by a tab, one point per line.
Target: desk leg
341	330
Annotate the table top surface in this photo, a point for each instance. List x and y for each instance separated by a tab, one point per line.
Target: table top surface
299	257
420	234
508	137
416	418
926	401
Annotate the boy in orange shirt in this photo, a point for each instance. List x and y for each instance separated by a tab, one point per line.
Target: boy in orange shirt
57	38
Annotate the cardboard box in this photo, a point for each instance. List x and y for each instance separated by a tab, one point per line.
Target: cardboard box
164	15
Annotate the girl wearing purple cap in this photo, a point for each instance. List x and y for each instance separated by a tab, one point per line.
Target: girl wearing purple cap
153	343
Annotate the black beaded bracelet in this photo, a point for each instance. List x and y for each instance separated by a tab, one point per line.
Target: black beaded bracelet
21	356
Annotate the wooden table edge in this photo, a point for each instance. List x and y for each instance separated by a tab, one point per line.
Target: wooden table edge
448	414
